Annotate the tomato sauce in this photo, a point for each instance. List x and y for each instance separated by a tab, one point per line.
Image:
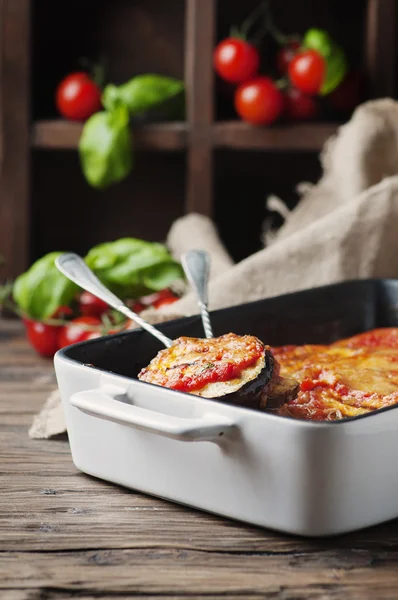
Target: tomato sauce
192	363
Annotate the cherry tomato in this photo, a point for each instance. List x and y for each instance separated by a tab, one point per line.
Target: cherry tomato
76	331
78	97
307	71
164	301
62	312
43	338
236	60
151	299
138	307
259	101
349	93
286	55
91	306
299	106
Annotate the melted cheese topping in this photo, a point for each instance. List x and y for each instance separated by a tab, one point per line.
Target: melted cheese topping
208	368
346	379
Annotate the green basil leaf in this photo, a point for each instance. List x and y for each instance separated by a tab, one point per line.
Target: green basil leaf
132	267
161	276
142	92
173	109
337	68
42	289
319	40
336	62
105	148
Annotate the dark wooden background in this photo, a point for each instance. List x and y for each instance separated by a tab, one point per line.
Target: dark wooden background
209	163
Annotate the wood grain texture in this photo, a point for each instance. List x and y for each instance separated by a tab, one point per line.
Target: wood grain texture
64	534
242	136
14	134
59	134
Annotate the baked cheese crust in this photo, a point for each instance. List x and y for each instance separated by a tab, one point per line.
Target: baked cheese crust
345	379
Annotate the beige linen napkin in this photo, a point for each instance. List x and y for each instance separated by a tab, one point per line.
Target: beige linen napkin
344	227
362	154
197	231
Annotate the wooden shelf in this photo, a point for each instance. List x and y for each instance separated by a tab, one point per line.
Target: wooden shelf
242	136
60	134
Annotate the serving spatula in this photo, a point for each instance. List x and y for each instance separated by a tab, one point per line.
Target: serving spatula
196	265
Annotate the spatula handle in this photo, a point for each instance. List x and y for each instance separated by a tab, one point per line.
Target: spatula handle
196	264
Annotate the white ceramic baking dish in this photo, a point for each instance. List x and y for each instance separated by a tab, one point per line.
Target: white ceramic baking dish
306	478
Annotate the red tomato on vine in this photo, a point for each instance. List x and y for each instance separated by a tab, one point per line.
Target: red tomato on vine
79	330
236	60
42	337
78	97
299	106
91	306
307	72
286	55
259	101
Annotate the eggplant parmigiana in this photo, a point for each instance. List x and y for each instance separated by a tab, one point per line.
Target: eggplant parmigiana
348	378
233	368
345	379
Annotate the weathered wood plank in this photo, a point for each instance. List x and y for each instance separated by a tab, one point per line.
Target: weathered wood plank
165	571
26	380
62	509
23	594
19	402
52	593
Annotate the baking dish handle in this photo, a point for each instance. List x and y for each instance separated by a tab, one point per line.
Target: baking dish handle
103	404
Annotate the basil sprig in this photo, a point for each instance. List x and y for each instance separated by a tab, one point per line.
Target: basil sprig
130	267
42	289
105	146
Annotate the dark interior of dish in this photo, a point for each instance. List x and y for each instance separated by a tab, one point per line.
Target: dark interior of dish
321	315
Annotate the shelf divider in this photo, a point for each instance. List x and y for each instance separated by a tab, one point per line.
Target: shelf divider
14	135
199	79
380	47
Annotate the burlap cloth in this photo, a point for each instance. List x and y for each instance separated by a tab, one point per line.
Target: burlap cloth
344	227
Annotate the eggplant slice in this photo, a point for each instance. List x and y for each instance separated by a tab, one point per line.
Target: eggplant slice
238	370
247	390
230	368
280	390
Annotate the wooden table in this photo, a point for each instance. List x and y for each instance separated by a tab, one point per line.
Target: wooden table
66	535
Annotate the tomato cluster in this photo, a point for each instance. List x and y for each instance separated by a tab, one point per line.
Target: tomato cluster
300	76
91	319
